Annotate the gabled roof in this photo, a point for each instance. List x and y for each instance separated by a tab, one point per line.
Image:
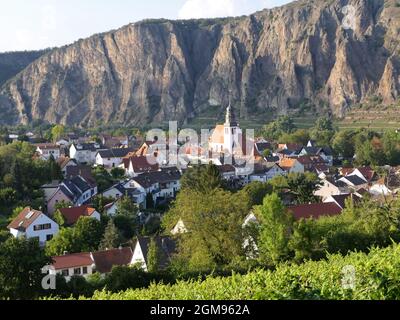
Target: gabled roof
141	163
165	175
47	146
73	260
91	146
287	163
315	210
115	153
106	260
73	214
24	219
355	180
225	168
341	199
63	161
80	170
166	245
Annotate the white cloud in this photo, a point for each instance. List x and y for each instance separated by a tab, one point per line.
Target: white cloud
195	9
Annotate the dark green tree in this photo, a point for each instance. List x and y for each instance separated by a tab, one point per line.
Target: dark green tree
110	238
21	263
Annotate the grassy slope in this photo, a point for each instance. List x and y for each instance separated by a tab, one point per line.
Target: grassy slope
377	276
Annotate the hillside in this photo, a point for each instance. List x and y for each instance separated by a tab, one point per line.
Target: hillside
366	276
269	63
11	63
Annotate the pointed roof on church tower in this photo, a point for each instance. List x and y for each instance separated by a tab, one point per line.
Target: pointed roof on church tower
230	119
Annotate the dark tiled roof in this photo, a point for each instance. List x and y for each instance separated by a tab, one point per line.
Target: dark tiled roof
106	260
80	170
88	146
355	180
115	153
341	199
166	246
147	179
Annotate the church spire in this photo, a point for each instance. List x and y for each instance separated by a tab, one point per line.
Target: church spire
230	119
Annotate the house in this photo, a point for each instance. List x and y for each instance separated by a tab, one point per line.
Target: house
263	173
162	184
72	215
330	187
111	208
86	263
315	210
262	146
114	142
75	190
83	171
105	260
137	165
227	171
341	199
46	150
68	265
291	165
85	153
310	162
354	182
32	223
295	147
324	152
111	158
122	189
379	188
179	228
166	248
285	153
49	189
65	162
365	173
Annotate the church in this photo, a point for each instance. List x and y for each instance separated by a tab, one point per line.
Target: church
227	138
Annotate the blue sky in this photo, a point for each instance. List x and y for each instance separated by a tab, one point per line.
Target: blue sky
37	24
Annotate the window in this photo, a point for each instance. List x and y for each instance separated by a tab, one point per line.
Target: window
42	227
65	272
84	270
49	237
77	271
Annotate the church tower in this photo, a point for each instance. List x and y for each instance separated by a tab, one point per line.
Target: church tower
232	132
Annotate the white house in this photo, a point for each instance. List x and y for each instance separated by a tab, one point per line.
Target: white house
380	189
330	187
166	248
179	228
111	158
68	265
46	150
85	153
33	224
86	263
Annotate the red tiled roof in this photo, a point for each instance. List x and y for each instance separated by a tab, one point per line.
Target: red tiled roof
105	260
141	163
315	210
25	218
72	215
72	260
